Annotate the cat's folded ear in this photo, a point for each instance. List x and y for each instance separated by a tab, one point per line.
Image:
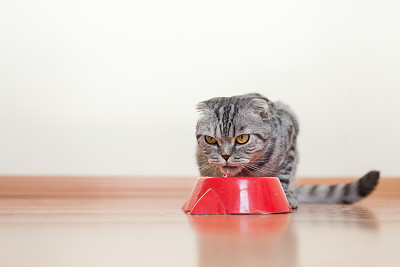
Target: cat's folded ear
202	107
259	106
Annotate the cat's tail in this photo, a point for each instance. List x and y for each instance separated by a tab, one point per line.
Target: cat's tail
338	194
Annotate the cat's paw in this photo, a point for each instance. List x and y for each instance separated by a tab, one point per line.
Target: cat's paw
294	204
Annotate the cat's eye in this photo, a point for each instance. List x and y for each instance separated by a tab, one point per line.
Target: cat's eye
210	140
242	139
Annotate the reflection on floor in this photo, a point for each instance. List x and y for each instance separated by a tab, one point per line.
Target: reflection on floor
238	240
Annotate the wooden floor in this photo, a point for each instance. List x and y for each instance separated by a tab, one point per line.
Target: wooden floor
111	221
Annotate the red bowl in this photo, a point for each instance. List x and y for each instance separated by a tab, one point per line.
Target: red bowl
237	195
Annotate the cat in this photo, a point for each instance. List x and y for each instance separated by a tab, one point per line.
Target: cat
250	136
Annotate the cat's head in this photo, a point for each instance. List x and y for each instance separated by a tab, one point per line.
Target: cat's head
233	132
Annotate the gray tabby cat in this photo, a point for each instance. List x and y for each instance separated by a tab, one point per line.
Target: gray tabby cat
249	135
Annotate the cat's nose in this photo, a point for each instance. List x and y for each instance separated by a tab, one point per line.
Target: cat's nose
225	157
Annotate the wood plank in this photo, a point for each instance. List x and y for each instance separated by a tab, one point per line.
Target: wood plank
136	186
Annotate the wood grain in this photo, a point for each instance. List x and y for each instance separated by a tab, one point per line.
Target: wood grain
136	186
138	221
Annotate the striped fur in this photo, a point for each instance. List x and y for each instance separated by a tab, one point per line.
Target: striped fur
270	151
342	193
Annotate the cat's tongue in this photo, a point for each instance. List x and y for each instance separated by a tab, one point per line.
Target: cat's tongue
228	170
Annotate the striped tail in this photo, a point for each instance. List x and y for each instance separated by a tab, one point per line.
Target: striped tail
338	194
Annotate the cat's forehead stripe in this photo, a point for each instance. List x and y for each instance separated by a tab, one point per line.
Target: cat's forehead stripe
226	119
225	111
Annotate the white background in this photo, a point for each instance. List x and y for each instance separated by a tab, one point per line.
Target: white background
110	87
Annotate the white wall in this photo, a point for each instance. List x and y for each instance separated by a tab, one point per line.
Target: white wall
109	87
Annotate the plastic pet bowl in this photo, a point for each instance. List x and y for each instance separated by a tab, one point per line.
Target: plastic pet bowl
237	195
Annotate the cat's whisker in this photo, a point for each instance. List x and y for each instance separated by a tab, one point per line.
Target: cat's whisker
257	168
254	167
205	167
257	161
247	168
